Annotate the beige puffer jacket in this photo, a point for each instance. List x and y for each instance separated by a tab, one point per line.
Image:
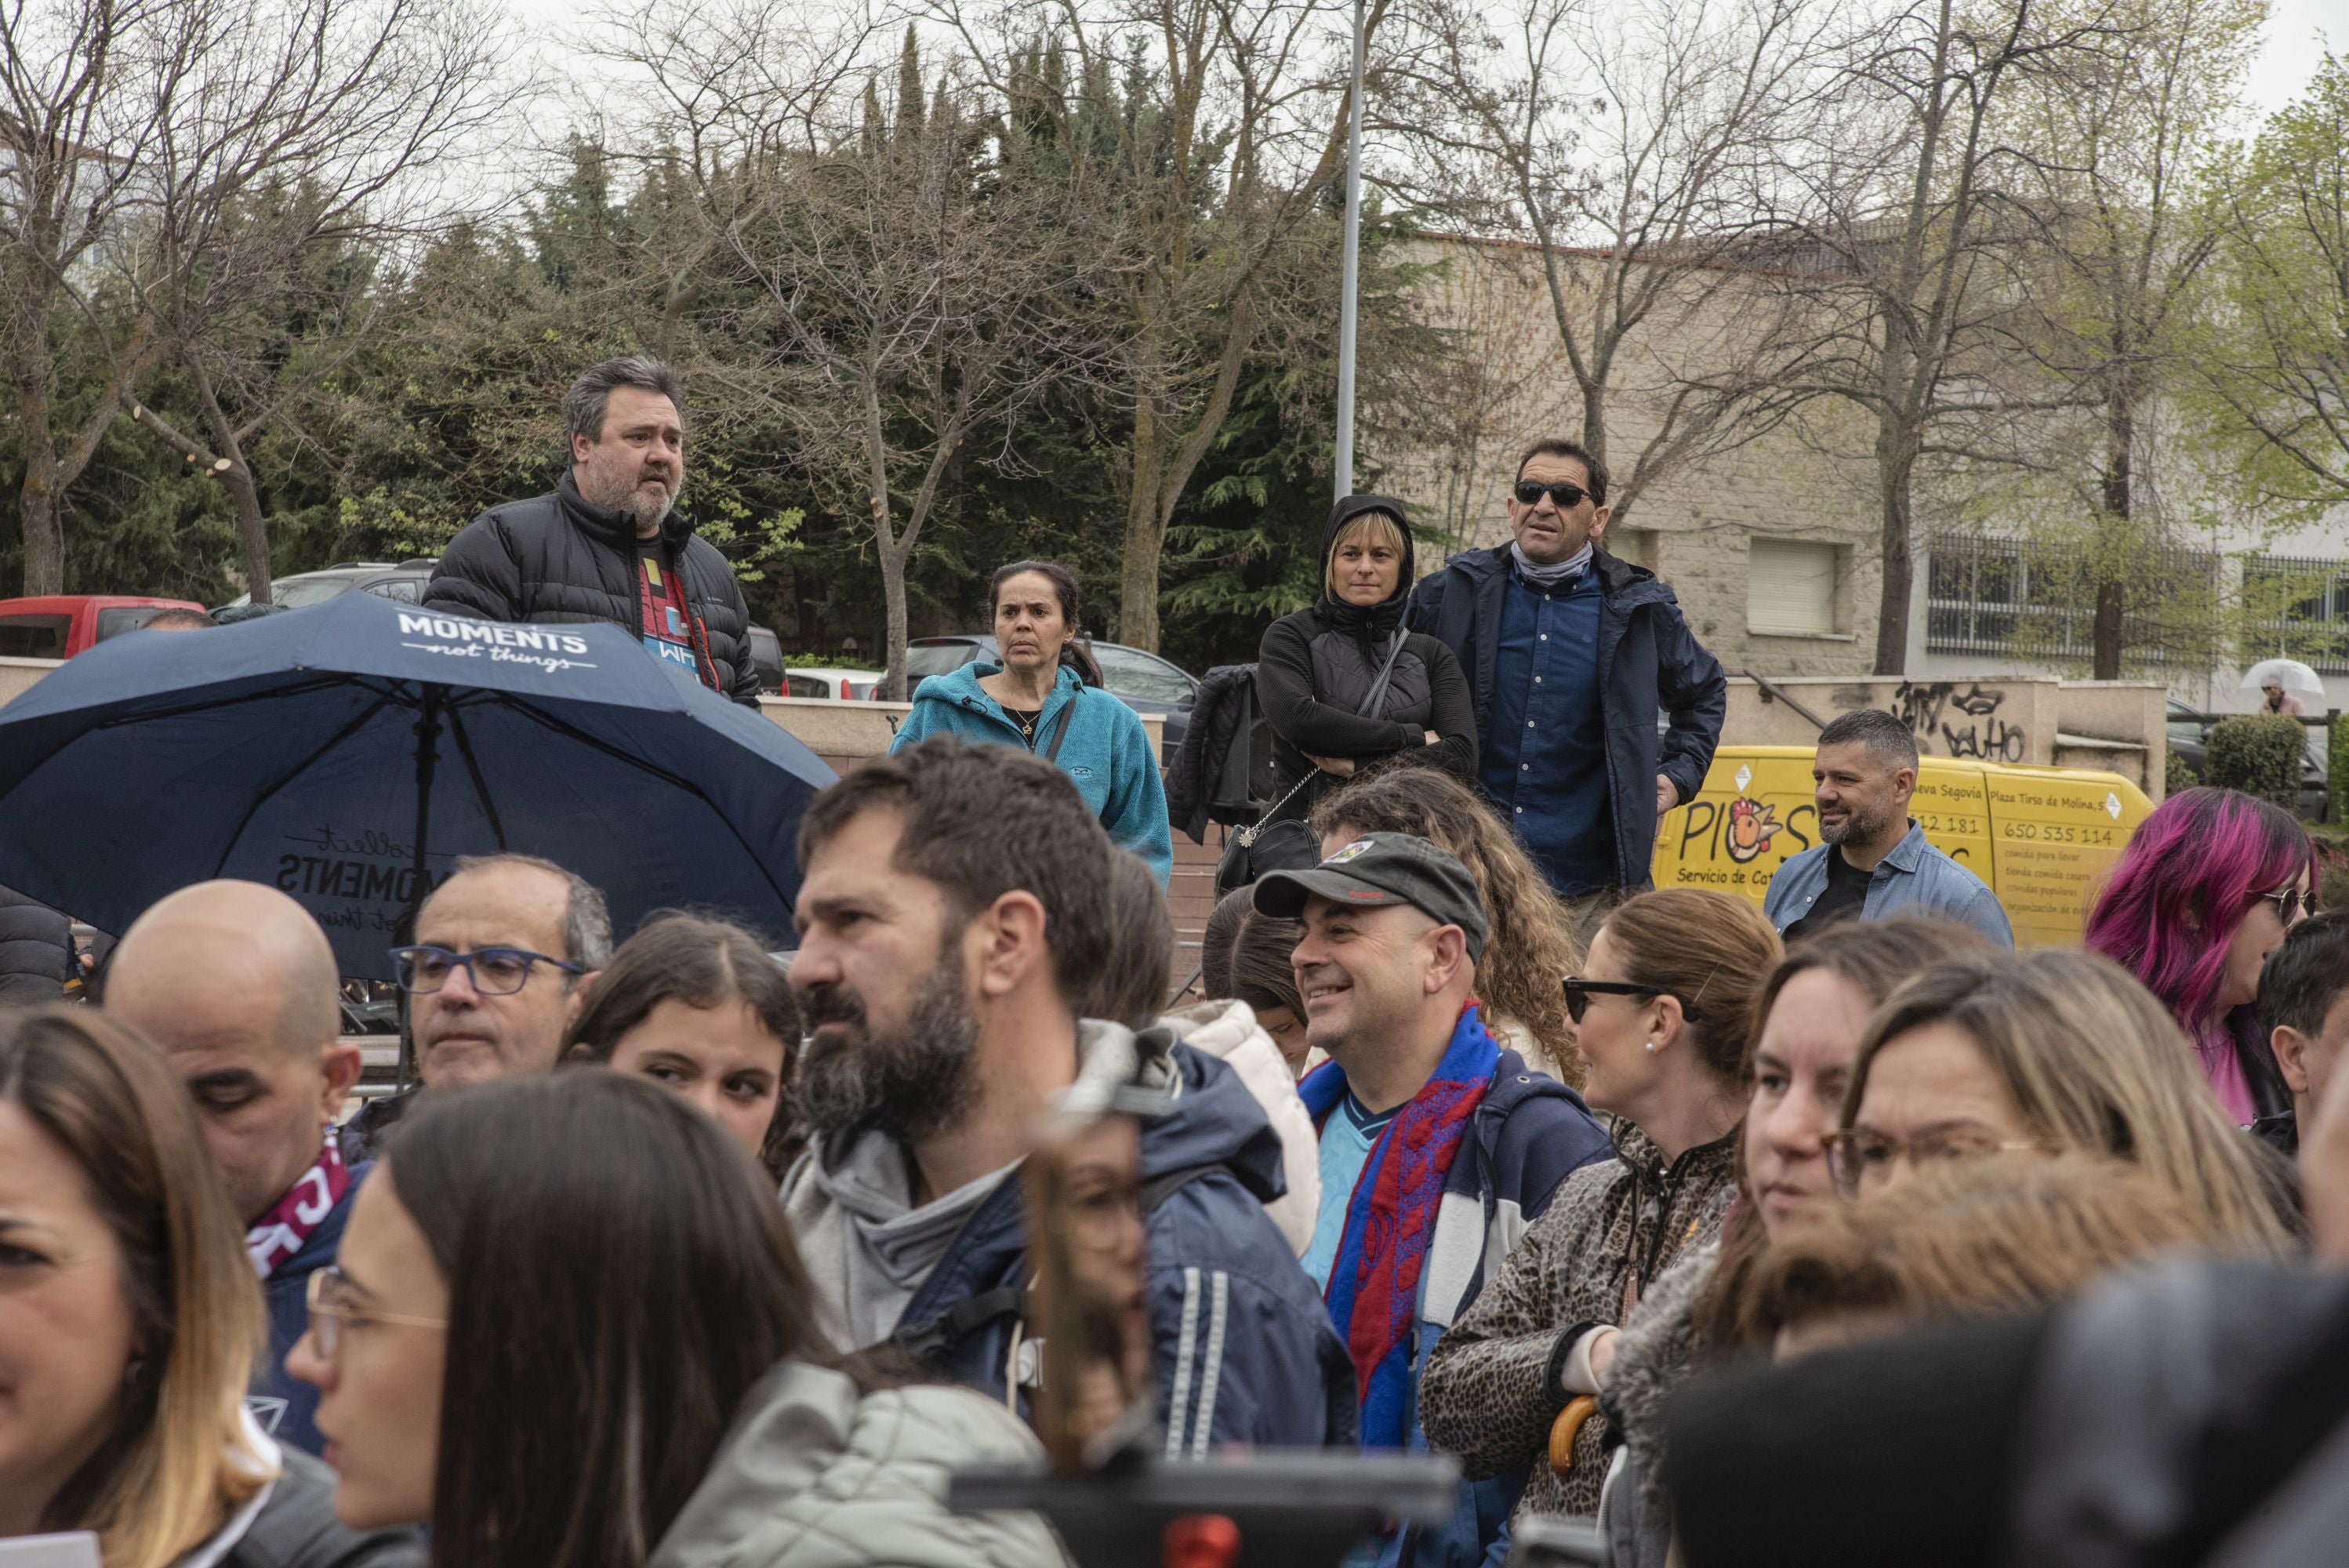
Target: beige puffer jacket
814	1476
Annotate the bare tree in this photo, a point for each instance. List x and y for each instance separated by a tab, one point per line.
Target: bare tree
1636	146
1900	245
906	273
2123	233
1212	127
165	163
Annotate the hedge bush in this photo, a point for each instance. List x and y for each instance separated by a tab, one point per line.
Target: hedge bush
2176	774
2257	754
2336	771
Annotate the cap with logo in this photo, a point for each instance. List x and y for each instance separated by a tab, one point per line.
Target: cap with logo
1381	869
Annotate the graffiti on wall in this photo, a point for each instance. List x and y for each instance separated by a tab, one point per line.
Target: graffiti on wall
1965	723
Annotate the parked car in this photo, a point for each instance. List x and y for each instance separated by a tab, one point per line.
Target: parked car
402	580
1142	681
833	684
59	625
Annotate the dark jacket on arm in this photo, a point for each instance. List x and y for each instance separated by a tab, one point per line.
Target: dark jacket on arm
1647	660
36	951
556	559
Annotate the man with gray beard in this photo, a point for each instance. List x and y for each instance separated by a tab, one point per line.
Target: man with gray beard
1874	862
608	543
956	900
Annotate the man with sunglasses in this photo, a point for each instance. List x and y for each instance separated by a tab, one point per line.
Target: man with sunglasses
504	948
1570	654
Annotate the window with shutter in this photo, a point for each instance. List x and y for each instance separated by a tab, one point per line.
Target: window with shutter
1790	588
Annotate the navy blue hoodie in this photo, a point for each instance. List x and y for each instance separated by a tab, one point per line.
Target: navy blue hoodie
1243	1346
286	1406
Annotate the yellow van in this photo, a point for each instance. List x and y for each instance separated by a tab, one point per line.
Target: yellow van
2042	837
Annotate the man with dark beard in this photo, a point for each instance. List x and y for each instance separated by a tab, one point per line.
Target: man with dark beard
956	898
609	544
1874	863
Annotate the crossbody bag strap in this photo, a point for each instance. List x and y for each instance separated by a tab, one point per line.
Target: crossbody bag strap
1061	726
1369	708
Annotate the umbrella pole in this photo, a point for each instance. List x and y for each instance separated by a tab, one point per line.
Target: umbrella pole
427	758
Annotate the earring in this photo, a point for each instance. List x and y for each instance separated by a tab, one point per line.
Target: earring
1652	1046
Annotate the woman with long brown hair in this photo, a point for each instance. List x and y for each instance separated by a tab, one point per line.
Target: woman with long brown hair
569	1329
1532	945
1663	1003
129	1319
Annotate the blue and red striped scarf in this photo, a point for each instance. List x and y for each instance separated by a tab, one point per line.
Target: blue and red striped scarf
1373	1288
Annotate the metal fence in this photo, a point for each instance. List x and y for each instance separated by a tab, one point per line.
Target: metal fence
2297	607
2013	597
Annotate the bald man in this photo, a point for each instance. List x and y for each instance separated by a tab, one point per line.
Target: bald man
237	983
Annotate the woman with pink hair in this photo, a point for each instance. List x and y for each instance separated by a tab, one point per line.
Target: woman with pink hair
2204	893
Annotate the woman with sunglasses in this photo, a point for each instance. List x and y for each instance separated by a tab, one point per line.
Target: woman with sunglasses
1808	1017
1340	682
561	1359
2057	1052
1663	1007
129	1317
2206	890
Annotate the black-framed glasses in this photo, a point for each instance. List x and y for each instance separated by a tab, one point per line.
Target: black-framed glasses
1568	496
2287	902
329	1312
1861	1159
494	971
1580	991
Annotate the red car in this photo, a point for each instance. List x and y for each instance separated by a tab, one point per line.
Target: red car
62	624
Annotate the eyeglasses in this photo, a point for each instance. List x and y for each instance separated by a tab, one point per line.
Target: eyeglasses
2287	902
329	1312
1568	496
1861	1159
494	971
1580	991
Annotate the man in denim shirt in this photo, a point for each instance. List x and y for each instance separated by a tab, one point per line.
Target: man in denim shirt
1874	863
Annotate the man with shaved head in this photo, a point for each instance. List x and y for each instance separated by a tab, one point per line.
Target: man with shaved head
237	983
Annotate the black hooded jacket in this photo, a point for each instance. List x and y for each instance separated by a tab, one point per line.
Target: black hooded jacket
560	558
1315	669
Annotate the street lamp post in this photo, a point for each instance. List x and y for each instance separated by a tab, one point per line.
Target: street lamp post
1342	465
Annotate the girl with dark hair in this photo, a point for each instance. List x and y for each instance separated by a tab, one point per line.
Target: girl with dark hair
1245	956
1044	696
2206	890
699	1007
567	1327
1344	685
128	1321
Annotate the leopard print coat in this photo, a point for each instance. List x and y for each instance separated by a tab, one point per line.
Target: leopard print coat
1489	1394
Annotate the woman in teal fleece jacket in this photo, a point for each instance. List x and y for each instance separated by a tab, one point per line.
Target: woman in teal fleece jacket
1045	696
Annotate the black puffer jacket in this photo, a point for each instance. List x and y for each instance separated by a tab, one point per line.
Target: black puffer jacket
35	952
1315	669
558	558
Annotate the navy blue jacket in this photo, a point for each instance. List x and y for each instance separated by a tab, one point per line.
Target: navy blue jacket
1647	660
287	1408
1243	1348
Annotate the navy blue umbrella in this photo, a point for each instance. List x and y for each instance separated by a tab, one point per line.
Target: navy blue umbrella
350	753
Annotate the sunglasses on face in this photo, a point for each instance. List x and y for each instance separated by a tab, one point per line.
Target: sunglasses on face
1568	496
1580	991
2287	902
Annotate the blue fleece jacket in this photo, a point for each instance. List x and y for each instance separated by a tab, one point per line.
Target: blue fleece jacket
286	1406
1106	753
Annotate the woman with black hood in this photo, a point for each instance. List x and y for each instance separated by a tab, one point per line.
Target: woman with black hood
1344	685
